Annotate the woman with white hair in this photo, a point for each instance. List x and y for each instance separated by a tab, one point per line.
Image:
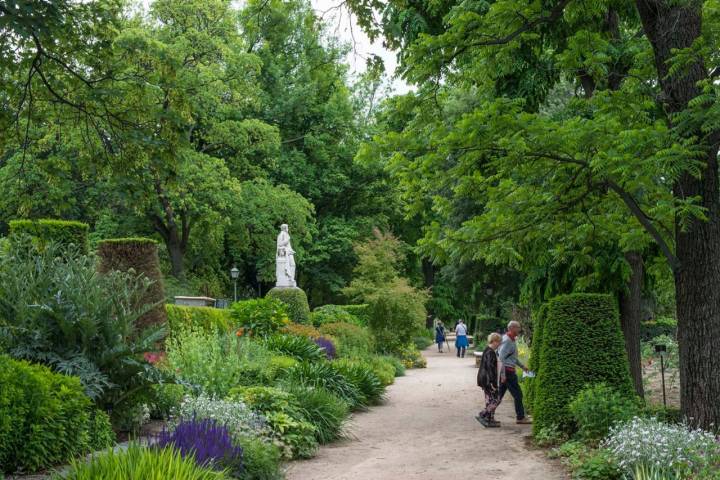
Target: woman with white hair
461	339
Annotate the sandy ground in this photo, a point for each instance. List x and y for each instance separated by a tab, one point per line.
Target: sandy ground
426	430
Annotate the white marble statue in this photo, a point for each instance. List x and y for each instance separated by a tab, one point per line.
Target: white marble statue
285	260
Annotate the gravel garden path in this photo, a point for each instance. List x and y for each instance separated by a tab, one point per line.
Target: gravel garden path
426	431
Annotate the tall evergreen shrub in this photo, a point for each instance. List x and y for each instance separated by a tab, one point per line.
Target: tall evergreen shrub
534	363
582	344
140	255
46	231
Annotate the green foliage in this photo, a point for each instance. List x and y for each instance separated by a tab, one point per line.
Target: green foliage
300	348
363	376
598	407
325	410
131	415
260	317
281	409
581	344
588	464
46	419
137	256
411	357
323	375
296	302
397	364
180	317
140	462
660	326
261	460
350	339
336	314
61	232
384	367
528	384
214	362
100	431
362	312
58	310
166	399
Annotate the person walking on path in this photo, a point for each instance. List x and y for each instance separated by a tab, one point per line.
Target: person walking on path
461	339
440	335
508	355
487	379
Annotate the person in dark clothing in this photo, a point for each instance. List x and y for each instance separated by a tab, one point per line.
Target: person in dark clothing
487	379
440	335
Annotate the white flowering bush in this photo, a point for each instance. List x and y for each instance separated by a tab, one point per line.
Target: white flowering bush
649	442
239	419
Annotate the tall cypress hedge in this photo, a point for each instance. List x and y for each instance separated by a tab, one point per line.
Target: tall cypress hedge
581	344
141	255
534	364
64	232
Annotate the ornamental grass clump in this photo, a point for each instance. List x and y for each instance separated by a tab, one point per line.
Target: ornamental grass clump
676	448
207	441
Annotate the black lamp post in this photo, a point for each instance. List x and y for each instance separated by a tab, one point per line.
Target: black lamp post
661	350
234	273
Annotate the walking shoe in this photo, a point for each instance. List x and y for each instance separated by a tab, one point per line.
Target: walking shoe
494	424
524	421
483	421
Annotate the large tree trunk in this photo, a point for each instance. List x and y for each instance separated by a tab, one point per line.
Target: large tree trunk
676	25
630	316
177	255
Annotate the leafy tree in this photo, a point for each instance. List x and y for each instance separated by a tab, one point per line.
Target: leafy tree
627	160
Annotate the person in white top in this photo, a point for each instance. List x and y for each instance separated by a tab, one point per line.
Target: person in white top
461	339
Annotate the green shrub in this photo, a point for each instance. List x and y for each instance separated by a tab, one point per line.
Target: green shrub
596	408
361	311
336	314
100	430
260	316
299	348
214	362
131	415
350	339
411	357
423	339
265	399
586	463
528	384
487	324
91	330
581	344
383	367
44	232
296	301
166	400
325	376
45	418
396	363
279	364
325	410
664	414
362	375
214	319
659	326
138	462
139	255
261	460
395	313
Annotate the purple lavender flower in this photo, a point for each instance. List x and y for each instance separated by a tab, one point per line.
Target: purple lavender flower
327	345
208	441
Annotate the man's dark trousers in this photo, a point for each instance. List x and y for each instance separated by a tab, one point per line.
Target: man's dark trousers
511	383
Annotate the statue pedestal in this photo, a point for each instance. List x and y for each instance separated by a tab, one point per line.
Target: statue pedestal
283	279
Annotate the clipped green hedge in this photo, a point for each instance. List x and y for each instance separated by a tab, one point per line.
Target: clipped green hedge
361	311
582	344
655	328
64	232
45	418
538	323
140	255
298	308
180	317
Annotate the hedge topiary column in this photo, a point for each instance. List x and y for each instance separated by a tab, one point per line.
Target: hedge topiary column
63	232
140	254
296	301
534	364
581	344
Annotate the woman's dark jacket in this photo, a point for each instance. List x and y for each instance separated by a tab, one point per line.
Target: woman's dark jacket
487	377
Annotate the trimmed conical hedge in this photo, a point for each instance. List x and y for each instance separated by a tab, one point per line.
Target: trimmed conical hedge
141	255
534	364
581	344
